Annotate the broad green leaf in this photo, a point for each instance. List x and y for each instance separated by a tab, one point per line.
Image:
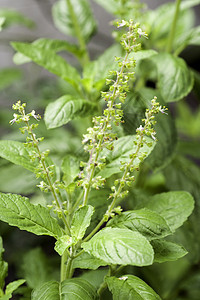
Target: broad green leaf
13	17
74	18
142	54
48	44
18	211
15	179
160	21
65	109
3	266
71	168
174	207
70	289
189	3
63	243
191	37
35	268
11	287
123	148
120	246
95	277
167	251
87	261
175	80
130	287
81	220
96	72
8	76
145	221
17	153
48	59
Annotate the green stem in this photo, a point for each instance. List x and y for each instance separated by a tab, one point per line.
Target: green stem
63	269
48	176
99	146
117	193
85	58
173	28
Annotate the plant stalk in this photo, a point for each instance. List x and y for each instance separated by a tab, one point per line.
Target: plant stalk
85	58
173	28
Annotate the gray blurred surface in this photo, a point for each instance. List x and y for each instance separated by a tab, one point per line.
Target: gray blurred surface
40	12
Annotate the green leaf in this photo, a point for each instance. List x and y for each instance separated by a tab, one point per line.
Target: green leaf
87	261
167	251
165	147
81	220
130	287
95	277
96	72
120	246
110	5
175	80
160	22
13	17
70	289
68	24
65	109
145	221
15	179
35	267
123	147
11	287
71	168
17	153
48	44
189	3
142	54
8	76
63	243
174	207
48	59
3	266
191	37
2	21
18	211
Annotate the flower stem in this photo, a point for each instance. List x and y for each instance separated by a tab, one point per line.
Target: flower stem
173	27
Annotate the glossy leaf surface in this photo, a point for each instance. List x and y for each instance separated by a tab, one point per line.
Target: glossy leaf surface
81	221
65	109
64	19
167	251
145	221
175	80
17	153
18	211
120	246
174	207
87	261
49	60
130	287
71	289
123	147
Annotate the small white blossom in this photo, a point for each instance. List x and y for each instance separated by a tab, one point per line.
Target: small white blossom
123	23
142	33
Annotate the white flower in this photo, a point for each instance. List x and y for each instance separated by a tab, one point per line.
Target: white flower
142	33
123	23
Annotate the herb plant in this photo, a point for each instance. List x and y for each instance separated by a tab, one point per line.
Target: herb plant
114	204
